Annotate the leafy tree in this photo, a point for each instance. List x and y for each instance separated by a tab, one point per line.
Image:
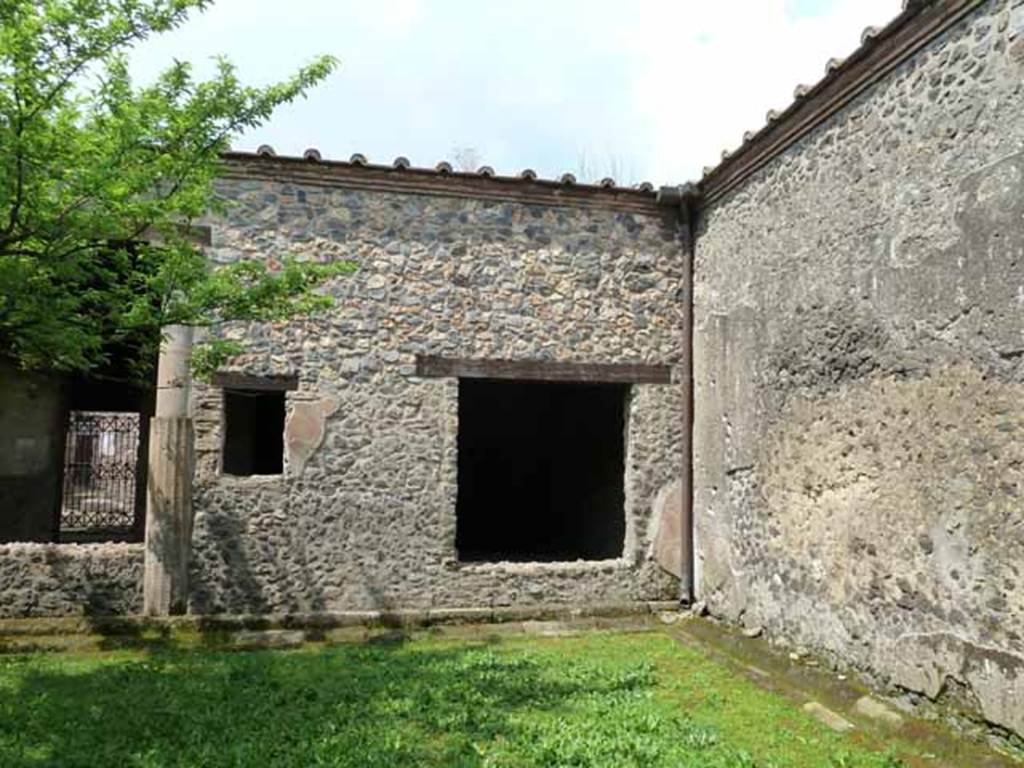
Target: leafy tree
100	181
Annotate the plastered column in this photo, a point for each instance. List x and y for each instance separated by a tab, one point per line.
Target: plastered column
169	494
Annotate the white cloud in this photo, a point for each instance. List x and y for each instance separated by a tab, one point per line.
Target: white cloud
393	19
713	70
661	86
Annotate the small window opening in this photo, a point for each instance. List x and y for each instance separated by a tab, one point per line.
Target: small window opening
541	470
253	432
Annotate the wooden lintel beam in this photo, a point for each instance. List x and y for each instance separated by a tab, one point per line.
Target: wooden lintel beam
230	380
429	366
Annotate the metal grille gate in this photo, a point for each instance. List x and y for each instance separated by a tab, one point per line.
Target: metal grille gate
100	471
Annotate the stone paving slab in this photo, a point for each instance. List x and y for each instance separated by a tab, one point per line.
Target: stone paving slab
833	720
841	703
103	633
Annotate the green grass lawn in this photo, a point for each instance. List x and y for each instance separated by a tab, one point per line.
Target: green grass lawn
593	700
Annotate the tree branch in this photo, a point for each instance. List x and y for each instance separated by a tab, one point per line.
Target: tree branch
19	188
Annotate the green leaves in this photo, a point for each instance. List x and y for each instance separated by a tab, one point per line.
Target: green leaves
89	161
248	291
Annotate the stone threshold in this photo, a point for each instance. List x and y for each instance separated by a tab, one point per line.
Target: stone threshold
845	701
13	630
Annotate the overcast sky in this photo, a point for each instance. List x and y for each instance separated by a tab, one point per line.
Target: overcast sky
650	89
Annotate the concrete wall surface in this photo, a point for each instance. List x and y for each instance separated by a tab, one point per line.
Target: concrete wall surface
363	516
859	353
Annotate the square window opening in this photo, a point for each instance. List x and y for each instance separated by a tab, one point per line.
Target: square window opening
541	471
253	432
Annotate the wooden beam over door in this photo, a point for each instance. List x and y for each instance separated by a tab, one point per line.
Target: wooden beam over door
231	380
429	366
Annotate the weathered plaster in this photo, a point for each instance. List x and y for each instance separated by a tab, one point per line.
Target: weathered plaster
305	429
32	416
859	382
668	541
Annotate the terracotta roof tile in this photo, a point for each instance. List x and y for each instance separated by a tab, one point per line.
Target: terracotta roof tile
927	15
833	65
869	34
527	178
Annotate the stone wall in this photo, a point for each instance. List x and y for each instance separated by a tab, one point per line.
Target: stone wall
70	579
859	441
364	515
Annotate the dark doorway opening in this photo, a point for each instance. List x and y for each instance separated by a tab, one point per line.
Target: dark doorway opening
541	470
105	445
100	498
253	432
